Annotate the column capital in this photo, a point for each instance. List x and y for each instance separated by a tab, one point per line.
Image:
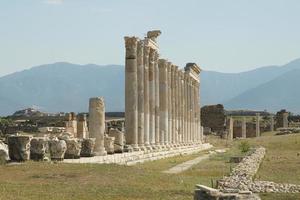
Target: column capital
146	50
169	66
162	63
131	42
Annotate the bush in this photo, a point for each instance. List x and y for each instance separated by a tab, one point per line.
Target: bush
244	146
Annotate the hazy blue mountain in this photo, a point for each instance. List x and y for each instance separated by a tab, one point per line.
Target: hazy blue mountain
219	87
68	87
282	92
62	87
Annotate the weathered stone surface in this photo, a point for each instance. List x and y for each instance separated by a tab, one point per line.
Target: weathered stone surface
38	147
97	124
4	157
206	193
57	149
73	148
87	147
19	147
119	140
109	145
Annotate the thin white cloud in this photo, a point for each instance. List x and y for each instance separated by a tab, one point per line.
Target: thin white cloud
54	2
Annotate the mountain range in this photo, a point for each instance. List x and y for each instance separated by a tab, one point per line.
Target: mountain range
65	87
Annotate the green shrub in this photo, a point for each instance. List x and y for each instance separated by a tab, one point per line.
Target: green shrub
244	146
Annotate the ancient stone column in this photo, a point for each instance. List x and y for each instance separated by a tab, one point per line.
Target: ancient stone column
82	130
97	124
230	131
163	100
180	107
170	121
140	80
152	97
131	95
285	119
176	105
184	109
173	105
157	112
146	97
193	110
244	128
187	117
257	125
272	123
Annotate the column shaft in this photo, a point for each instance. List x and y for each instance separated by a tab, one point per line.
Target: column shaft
157	92
131	96
140	80
146	96
163	101
97	124
152	97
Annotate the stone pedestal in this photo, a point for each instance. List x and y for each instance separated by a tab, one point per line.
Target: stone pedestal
38	148
97	124
87	147
19	147
73	148
57	149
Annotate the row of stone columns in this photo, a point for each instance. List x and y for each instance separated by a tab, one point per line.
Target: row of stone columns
162	103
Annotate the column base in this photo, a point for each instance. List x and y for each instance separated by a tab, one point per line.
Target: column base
100	153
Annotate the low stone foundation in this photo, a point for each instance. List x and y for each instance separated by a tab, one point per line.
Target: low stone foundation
206	193
132	158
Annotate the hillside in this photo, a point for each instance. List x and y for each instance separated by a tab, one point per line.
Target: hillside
62	87
281	92
65	87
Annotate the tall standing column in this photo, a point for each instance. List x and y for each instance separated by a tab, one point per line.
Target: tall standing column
152	97
146	97
163	101
170	124
230	131
187	107
140	79
157	92
173	106
184	109
176	105
257	125
193	110
285	118
244	128
97	124
272	123
131	96
181	106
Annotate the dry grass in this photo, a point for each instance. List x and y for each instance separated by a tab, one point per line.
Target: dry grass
36	180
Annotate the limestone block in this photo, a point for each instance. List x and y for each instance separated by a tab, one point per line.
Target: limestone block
109	144
4	157
57	149
19	147
87	147
73	148
119	140
38	147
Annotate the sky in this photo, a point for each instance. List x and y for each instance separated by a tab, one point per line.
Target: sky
219	35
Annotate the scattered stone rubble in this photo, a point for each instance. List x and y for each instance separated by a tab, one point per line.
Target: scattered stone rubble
241	177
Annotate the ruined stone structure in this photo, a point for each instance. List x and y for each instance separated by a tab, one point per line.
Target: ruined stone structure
71	124
162	104
282	119
213	116
97	124
82	128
